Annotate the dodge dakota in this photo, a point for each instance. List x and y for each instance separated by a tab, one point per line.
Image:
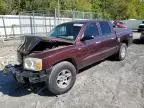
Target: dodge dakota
56	59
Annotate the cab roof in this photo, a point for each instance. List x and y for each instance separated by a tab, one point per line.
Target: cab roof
86	21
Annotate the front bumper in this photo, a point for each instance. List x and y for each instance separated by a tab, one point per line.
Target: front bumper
25	76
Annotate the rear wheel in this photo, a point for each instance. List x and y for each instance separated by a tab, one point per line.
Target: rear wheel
122	52
61	78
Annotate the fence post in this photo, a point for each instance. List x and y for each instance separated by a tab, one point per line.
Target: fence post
31	25
4	27
83	15
33	20
73	16
45	24
20	24
58	16
50	25
55	16
13	30
91	15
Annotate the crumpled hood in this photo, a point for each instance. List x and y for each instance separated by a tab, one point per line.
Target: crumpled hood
31	42
50	52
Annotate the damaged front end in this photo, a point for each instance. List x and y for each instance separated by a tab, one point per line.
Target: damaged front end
30	68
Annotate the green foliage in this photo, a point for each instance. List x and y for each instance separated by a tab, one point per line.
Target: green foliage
133	9
110	9
96	5
141	11
2	7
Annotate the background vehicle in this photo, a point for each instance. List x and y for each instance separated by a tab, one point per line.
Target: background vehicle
119	24
141	27
57	58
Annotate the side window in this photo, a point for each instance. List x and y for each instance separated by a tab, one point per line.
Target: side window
91	30
105	28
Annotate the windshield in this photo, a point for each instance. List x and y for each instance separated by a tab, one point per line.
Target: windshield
68	31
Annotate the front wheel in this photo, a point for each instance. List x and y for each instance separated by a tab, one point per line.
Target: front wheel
122	52
61	78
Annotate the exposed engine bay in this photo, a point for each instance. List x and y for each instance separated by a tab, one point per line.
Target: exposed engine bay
45	45
34	44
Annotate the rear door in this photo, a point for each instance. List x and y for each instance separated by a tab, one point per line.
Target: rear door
109	40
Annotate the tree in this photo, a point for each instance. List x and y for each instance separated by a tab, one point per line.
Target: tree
96	5
141	9
115	9
132	9
2	7
111	9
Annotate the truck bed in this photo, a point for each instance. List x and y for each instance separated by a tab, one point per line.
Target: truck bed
122	31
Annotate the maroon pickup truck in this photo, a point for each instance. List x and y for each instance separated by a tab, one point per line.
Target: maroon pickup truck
57	58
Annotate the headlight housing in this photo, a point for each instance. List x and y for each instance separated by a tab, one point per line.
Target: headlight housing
33	64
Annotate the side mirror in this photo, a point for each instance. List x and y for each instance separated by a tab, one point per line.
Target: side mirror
87	37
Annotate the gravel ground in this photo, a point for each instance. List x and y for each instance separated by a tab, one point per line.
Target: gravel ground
108	84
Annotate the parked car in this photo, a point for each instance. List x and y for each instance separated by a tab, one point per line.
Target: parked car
57	58
141	27
119	24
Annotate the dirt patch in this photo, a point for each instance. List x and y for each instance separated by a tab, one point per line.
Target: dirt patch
8	54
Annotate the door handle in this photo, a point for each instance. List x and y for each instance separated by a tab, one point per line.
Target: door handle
98	42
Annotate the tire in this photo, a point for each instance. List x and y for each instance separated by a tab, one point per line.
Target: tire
61	78
122	52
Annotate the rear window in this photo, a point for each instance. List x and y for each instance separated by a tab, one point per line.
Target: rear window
105	28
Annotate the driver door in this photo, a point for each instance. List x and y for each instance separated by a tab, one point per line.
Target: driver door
90	45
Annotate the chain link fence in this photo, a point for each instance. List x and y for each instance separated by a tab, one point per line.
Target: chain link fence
39	22
64	14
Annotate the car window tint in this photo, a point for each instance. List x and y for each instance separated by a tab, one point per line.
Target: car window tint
105	28
91	30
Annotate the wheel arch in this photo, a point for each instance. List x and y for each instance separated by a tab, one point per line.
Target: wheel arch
126	42
71	60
